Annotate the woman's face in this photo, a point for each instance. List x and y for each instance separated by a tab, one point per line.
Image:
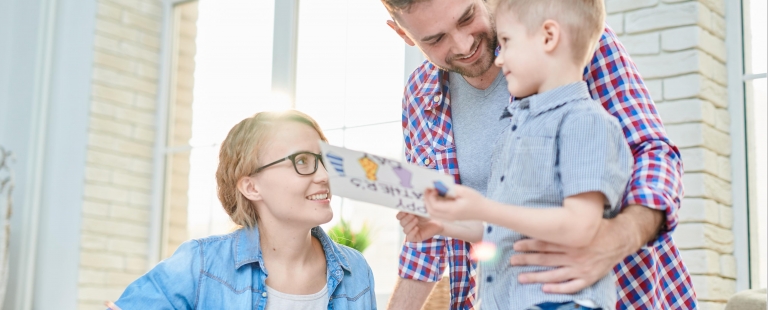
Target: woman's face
285	195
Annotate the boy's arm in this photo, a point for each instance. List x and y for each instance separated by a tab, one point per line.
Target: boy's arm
471	231
575	224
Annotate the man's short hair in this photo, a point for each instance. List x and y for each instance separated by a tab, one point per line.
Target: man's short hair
397	6
583	20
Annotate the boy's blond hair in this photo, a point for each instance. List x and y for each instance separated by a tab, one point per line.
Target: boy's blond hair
240	156
583	20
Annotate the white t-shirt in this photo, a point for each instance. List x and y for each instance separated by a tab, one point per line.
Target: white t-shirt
279	301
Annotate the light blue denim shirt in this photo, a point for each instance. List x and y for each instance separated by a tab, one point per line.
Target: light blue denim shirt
227	272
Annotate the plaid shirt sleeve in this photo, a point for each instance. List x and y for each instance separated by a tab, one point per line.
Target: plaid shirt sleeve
419	260
656	181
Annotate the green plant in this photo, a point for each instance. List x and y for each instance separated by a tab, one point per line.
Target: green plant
342	233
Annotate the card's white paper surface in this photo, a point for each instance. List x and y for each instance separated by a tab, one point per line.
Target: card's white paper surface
379	180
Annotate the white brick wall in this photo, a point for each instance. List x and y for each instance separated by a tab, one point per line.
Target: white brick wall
121	134
679	48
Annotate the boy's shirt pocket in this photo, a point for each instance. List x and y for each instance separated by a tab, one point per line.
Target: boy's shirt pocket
533	162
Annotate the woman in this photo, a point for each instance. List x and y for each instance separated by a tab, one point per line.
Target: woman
272	182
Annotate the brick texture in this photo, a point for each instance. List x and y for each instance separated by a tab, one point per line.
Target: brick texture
679	48
121	137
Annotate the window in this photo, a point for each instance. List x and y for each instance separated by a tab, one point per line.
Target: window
218	73
756	108
232	76
350	78
174	226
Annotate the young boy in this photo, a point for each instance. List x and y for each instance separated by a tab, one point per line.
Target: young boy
561	165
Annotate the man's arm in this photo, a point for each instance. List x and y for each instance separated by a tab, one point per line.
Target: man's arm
657	177
409	294
421	263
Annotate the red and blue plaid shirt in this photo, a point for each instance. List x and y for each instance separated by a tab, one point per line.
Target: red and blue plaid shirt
654	277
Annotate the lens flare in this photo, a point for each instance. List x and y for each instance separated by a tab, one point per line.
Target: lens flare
482	251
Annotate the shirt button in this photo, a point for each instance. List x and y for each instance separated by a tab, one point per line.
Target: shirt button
490	229
264	294
436	99
502	179
514	127
489	279
426	161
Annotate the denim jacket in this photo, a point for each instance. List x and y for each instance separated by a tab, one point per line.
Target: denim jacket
227	272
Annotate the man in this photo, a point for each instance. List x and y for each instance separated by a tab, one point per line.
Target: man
448	102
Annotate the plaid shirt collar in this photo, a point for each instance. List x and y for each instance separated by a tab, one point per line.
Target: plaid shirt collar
434	84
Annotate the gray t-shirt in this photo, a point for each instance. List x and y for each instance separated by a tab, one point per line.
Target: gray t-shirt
476	126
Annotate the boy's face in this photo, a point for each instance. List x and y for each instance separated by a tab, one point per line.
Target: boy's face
521	57
455	35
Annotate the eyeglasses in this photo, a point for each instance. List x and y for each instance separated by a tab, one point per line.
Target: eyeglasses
305	163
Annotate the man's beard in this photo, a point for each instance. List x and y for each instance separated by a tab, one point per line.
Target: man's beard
480	66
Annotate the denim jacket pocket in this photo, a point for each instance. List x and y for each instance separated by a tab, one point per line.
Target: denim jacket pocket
217	292
353	298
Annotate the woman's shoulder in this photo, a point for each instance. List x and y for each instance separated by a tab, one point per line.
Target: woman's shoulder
207	248
354	257
228	237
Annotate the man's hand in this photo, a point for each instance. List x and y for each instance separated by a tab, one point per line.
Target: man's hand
417	228
581	267
463	205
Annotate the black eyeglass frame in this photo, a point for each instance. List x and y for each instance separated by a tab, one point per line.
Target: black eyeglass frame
292	158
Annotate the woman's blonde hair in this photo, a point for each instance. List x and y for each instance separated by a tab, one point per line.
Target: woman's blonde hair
239	157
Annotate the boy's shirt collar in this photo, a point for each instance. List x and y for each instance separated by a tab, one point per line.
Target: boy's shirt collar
551	99
548	100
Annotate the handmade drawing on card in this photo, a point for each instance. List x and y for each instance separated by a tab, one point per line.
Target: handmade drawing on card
382	181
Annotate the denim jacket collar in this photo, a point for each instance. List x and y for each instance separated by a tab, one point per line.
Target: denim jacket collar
247	249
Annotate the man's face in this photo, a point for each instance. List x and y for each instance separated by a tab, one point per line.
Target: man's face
455	35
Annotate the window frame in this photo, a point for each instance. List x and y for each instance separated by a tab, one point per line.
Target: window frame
161	149
737	80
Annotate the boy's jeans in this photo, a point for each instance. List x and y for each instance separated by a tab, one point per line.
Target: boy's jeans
560	306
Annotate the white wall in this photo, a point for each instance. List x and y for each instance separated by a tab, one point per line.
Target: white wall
46	49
